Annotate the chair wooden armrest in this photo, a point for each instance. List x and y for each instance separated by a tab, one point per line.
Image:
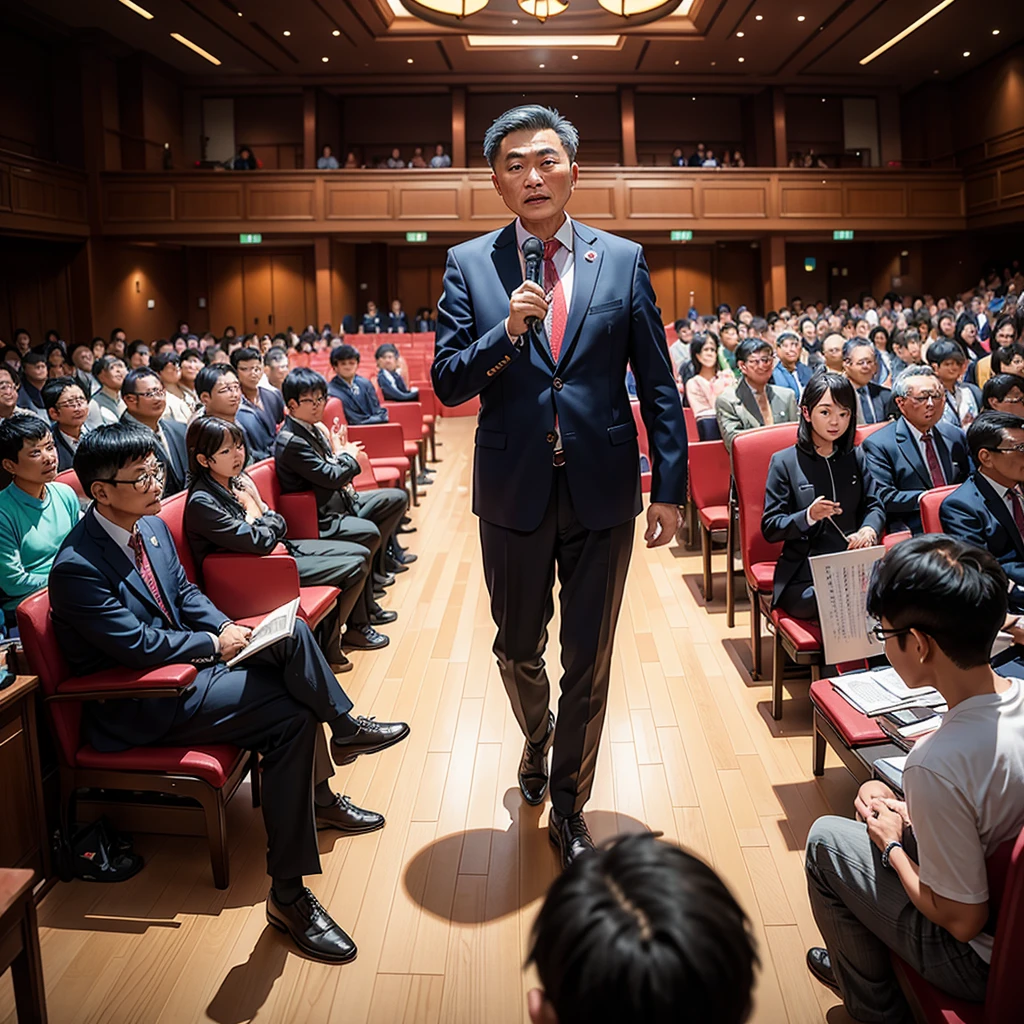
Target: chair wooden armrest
127	683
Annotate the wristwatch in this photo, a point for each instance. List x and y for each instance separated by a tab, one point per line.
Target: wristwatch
895	844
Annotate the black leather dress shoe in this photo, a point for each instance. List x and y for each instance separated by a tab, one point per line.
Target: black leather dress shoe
344	816
340	664
406	529
819	963
381	617
395	567
571	836
407	557
371	737
364	638
423	480
533	768
383	581
312	929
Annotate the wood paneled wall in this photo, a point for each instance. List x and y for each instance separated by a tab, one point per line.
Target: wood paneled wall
704	276
37	289
667	120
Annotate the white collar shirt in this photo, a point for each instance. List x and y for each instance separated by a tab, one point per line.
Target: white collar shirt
564	261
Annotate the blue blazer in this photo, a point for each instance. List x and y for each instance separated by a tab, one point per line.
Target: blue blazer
361	405
259	429
397	392
900	473
781	379
975	513
613	322
104	617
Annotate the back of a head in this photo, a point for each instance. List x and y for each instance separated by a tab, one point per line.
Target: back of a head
641	932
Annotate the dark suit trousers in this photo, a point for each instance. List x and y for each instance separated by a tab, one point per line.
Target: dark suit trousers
384	507
520	572
274	703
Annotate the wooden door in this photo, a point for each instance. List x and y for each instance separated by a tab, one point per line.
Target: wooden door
289	293
693	274
662	265
259	292
227	294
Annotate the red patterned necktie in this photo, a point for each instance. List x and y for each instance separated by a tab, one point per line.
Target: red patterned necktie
142	564
1018	511
553	285
934	466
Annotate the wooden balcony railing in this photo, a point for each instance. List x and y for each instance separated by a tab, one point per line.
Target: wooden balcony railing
41	198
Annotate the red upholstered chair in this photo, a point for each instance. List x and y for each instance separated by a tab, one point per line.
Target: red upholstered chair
709	476
1002	997
409	416
207	774
299	509
867	429
70	477
334	410
645	448
838	724
692	434
929	503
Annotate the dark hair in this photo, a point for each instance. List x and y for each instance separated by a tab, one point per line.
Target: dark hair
730	326
109	448
245	355
158	346
16	430
987	431
35	355
300	382
1002	356
190	353
341	353
53	389
1006	320
640	930
699	341
79	344
205	436
274	353
876	331
750	347
134	347
160	362
842	394
104	363
954	592
530	117
132	378
386	349
998	386
15	376
902	339
208	376
115	332
944	348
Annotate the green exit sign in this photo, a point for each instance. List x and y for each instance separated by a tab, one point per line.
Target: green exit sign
681	236
842	236
250	239
415	236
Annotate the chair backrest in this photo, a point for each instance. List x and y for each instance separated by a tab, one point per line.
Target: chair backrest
365	481
264	476
692	434
709	473
70	477
929	503
1002	998
867	429
334	410
39	640
172	512
752	450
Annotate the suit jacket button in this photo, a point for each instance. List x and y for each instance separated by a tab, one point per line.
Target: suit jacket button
551	438
557	383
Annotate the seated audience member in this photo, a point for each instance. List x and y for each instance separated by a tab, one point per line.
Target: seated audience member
832	349
1008	359
917	452
789	371
82	360
860	366
36	514
225	512
34	374
245	161
357	394
987	509
1004	334
697	156
308	455
137	354
810	341
418	160
261	410
705	384
275	369
22	340
398	322
965	334
107	406
56	360
145	401
906	347
679	351
641	932
191	362
1003	393
879	338
167	366
371	323
424	322
395	161
908	877
119	596
963	401
326	161
440	157
9	384
729	336
752	401
390	380
67	408
819	497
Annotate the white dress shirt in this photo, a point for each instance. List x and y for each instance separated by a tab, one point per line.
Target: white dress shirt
564	261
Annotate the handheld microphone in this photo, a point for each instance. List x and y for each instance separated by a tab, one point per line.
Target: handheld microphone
533	255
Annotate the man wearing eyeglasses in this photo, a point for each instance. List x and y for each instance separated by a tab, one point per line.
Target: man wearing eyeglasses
146	399
68	408
987	509
917	452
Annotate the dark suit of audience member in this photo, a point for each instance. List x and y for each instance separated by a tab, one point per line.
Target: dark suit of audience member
171	451
372	323
900	472
394	389
273	411
30	398
398	323
65	453
874	404
359	399
258	428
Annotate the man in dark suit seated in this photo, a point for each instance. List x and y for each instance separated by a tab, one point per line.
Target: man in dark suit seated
67	406
218	388
275	369
398	322
145	399
119	597
261	410
357	394
860	365
392	384
987	509
917	452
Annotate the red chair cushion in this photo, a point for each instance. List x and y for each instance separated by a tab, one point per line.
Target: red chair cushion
387	476
938	1007
316	602
761	576
714	517
804	634
399	463
411	448
857	730
212	764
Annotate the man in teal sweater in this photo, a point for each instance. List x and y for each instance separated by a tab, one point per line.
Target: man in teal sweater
36	514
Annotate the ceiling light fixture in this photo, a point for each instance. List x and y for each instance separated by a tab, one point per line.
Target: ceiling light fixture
630	8
575	56
453	8
515	21
543	9
758	17
913	27
286	33
540	65
995	31
800	17
138	10
677	62
409	60
325	59
741	59
967	53
336	32
205	54
545	42
739	35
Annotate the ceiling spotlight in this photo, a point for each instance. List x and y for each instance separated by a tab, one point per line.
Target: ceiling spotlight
677	62
713	63
741	59
540	65
800	17
739	35
936	71
995	31
286	33
693	99
336	32
408	60
758	17
575	56
515	21
967	53
325	59
822	99
905	252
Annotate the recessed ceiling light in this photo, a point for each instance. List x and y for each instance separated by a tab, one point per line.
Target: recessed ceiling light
408	60
900	36
540	65
336	32
713	63
800	17
138	10
739	35
575	56
967	53
206	55
822	99
995	31
325	59
239	13
693	99
936	71
758	17
741	59
677	62
515	21
286	33
905	252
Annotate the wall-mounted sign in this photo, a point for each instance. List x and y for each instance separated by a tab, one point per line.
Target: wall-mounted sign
681	236
415	236
256	239
842	236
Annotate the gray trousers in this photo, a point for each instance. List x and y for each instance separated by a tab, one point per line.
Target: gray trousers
863	912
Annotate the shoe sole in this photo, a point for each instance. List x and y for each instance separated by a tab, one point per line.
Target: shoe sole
313	954
368	750
324	826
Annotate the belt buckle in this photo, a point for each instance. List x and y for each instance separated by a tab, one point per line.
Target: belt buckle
558	458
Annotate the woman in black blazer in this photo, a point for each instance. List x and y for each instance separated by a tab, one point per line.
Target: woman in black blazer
819	497
224	512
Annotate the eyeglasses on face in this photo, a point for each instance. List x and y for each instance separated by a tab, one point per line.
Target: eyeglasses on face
759	361
71	403
229	389
1017	449
315	402
926	399
143	481
155	393
6	385
881	634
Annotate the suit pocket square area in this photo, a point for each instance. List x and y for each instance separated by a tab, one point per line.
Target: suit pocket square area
605	307
622	433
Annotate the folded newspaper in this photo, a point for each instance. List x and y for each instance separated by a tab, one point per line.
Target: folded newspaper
276	626
874	693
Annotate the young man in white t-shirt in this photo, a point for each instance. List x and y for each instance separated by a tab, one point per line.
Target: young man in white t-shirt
909	877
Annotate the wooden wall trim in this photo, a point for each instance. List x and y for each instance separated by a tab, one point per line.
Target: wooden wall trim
994	194
40	198
183	204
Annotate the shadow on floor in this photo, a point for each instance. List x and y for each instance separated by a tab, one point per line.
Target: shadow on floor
245	989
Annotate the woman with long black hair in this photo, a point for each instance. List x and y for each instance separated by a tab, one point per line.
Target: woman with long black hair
819	497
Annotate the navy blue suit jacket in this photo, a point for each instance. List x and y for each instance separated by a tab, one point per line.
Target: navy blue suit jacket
397	392
801	371
900	473
975	513
65	455
259	428
104	617
613	322
362	404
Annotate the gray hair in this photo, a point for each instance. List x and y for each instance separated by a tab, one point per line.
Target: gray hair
852	344
901	384
530	117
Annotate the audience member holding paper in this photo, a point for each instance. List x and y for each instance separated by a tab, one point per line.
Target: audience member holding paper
910	877
819	497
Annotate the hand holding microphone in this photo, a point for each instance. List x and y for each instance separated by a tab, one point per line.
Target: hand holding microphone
528	304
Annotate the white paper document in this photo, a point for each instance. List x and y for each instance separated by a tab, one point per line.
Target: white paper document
841	584
874	693
276	626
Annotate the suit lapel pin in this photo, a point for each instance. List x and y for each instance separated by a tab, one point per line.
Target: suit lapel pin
590	255
154	542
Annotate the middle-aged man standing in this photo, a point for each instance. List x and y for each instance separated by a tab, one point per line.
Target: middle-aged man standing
556	473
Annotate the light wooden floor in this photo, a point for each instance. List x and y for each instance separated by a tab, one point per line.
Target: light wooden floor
441	901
